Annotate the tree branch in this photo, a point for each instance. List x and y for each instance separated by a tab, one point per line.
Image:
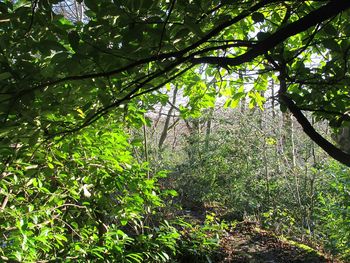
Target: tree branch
328	147
317	16
171	7
171	55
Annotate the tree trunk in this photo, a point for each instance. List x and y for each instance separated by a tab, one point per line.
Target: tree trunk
167	121
208	129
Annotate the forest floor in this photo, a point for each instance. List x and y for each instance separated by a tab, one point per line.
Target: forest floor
247	243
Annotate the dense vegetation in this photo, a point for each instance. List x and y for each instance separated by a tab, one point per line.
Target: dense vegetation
141	131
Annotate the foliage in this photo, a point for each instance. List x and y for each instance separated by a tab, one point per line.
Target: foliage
303	196
222	172
201	243
75	182
84	198
334	210
242	168
81	197
59	75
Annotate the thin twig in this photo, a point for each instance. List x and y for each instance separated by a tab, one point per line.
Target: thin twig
34	5
171	7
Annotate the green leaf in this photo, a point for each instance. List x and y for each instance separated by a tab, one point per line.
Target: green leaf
146	4
73	38
65	23
171	192
5	75
49	45
258	17
135	256
191	25
330	30
331	44
90	13
91	4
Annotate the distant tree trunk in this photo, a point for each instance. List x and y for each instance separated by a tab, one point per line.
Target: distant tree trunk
243	102
289	149
145	142
145	145
287	130
273	98
294	166
342	138
173	126
193	128
208	129
167	121
292	139
266	171
155	125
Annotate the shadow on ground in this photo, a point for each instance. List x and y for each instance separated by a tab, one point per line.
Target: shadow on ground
246	243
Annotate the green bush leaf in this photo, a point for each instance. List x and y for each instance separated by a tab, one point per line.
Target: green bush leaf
258	17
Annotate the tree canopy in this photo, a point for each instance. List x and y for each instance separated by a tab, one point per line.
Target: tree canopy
61	72
81	166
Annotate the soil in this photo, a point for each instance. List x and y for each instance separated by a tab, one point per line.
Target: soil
247	243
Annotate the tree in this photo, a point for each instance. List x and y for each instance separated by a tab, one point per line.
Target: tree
59	76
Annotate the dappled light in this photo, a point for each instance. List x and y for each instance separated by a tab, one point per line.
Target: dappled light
174	131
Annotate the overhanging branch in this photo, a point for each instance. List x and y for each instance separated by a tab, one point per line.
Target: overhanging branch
158	57
315	17
328	147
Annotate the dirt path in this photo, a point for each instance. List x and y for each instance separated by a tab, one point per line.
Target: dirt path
246	243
